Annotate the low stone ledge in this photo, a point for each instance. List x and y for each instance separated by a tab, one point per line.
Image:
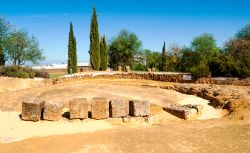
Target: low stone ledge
31	110
118	108
52	111
78	108
139	108
99	108
185	112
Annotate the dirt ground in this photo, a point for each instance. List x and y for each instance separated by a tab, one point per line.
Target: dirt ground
217	134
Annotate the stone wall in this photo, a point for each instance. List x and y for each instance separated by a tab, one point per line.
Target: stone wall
224	81
166	77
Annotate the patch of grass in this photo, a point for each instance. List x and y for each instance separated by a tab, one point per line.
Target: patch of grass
55	75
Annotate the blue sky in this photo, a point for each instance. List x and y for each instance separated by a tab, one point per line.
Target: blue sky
154	21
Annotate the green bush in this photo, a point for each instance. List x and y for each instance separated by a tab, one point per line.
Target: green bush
17	71
41	74
201	70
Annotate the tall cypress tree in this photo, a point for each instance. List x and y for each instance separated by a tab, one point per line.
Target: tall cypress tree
104	54
72	55
163	62
94	50
2	58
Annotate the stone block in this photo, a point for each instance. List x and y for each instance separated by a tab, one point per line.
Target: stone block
78	108
198	108
185	113
119	68
118	108
99	108
31	110
127	68
52	111
139	108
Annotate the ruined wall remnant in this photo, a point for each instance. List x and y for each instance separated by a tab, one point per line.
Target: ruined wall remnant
78	108
139	108
118	108
99	108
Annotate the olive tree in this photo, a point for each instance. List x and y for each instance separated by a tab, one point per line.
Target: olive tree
21	47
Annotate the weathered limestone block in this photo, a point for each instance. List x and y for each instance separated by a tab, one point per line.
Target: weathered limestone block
149	70
118	108
139	108
153	69
119	68
99	108
31	110
127	68
199	108
78	108
181	112
52	111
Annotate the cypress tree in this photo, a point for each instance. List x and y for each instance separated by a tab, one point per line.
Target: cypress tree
2	59
163	62
94	50
104	54
72	56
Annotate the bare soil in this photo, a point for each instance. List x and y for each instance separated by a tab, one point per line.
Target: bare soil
216	134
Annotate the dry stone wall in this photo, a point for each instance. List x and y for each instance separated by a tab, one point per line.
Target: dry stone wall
167	77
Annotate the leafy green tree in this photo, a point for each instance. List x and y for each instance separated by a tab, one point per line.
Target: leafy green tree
196	58
244	33
21	47
94	51
205	46
104	54
72	55
173	58
163	62
4	30
123	49
152	59
139	63
239	51
223	65
189	59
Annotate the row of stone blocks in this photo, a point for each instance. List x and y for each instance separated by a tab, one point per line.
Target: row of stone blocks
100	108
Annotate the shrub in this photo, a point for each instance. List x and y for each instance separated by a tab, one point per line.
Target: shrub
17	71
201	70
41	74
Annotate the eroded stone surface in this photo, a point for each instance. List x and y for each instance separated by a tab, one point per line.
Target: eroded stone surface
78	108
52	111
118	108
31	110
139	108
99	108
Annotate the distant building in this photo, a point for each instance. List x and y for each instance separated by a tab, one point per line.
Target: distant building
62	68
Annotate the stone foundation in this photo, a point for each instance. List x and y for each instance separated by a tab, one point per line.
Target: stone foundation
52	111
99	108
139	108
185	112
118	108
31	110
78	108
